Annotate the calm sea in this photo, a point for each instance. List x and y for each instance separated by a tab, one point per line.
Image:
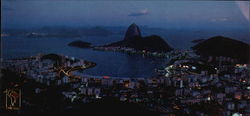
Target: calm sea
108	63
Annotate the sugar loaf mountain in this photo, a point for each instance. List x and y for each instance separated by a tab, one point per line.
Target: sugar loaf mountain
133	39
223	46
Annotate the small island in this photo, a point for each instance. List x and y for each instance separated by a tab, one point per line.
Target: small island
80	44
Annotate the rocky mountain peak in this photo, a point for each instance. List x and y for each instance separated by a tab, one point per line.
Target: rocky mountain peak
132	32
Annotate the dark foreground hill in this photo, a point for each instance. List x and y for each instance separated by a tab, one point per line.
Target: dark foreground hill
51	102
223	46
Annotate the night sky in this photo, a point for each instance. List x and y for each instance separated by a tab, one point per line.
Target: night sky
163	14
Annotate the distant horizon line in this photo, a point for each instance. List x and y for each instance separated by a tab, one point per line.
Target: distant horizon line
123	26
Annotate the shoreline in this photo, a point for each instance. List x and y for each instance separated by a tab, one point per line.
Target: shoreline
75	69
132	51
91	64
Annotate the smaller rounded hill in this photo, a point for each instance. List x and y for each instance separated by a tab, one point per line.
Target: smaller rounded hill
224	46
